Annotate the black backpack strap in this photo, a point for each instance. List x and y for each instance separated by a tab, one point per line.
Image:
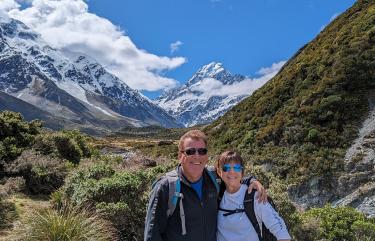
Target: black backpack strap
249	210
230	211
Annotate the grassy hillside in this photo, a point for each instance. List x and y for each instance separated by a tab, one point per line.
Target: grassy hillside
301	122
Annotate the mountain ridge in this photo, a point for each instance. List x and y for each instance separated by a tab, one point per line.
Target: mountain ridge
25	57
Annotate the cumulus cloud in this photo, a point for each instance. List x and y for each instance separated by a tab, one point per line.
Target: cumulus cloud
67	25
175	46
243	88
6	5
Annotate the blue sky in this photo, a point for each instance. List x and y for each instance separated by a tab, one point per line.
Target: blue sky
244	35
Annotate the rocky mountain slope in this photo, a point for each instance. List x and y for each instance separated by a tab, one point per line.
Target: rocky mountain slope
312	124
75	87
359	168
194	103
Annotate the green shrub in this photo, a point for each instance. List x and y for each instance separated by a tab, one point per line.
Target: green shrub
119	196
15	135
336	224
43	174
312	135
364	231
308	230
70	145
68	148
69	223
81	140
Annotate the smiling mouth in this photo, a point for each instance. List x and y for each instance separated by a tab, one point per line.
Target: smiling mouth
196	163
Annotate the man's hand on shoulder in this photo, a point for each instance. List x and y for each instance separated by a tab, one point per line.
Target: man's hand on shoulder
262	193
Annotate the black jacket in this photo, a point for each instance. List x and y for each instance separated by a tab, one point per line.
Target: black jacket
200	216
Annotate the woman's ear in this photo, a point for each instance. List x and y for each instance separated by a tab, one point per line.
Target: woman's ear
219	172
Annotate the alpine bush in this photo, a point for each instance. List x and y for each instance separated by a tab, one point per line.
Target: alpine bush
120	196
69	145
336	224
15	135
43	174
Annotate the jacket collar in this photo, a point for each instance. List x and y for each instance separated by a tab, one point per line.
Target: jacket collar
183	178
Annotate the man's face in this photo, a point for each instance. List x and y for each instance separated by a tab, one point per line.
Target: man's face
193	165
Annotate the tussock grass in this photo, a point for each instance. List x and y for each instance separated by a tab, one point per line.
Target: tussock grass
70	223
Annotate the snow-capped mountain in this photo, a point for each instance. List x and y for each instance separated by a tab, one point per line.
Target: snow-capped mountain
196	102
74	87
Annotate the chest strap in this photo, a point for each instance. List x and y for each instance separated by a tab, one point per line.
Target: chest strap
230	212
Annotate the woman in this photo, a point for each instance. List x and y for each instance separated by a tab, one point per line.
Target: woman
233	222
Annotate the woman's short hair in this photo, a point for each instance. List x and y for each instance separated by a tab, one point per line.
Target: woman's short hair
229	157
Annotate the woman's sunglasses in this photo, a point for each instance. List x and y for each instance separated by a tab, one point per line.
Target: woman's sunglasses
192	151
235	167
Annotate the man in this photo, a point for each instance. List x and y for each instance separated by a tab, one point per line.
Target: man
195	216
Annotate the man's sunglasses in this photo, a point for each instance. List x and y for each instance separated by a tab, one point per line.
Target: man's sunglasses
192	151
235	167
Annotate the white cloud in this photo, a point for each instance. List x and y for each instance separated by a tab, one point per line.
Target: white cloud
175	46
245	87
322	28
334	16
67	25
6	5
275	67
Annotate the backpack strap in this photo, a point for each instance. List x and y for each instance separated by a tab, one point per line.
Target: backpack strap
174	184
211	171
248	204
175	195
231	211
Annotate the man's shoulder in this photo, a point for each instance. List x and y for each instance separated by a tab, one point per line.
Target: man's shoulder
161	181
164	180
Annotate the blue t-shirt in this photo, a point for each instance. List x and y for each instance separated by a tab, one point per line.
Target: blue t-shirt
197	186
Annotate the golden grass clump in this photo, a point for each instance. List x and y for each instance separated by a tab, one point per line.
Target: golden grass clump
70	223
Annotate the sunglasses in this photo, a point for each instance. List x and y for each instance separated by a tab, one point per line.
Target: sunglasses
192	151
235	167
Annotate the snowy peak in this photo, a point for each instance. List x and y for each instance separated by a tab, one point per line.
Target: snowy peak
211	70
215	71
197	102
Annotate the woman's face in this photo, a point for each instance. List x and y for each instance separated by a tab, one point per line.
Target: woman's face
231	174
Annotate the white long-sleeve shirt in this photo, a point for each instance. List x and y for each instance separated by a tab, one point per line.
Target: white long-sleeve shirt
237	227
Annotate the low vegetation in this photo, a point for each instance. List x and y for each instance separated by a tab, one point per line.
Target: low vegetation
331	224
121	196
66	224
